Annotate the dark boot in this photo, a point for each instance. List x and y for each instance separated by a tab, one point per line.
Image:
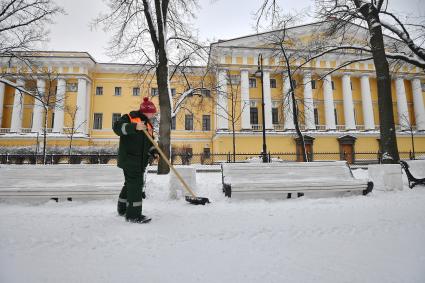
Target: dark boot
122	201
140	219
122	206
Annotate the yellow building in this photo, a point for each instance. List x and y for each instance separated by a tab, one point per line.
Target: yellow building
338	114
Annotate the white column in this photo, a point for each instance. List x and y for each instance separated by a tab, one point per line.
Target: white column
418	104
2	87
58	123
88	103
403	112
267	101
37	112
350	121
367	107
17	111
329	103
245	107
308	103
222	114
80	117
288	121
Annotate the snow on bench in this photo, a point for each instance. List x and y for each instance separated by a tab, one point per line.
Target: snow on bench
259	180
60	181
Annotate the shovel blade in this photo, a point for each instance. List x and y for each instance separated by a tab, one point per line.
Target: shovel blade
197	200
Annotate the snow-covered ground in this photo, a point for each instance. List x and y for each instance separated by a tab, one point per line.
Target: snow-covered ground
377	238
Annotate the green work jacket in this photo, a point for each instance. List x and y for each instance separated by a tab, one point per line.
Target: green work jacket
133	152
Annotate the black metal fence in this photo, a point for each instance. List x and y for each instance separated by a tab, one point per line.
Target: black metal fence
356	158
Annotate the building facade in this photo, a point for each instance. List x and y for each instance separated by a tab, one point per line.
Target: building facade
338	111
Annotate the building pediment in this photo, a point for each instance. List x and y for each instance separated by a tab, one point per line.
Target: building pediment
294	37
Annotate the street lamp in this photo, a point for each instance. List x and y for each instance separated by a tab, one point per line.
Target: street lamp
259	73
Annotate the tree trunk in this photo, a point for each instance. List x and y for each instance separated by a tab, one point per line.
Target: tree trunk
159	39
165	111
234	139
294	106
296	123
386	116
70	149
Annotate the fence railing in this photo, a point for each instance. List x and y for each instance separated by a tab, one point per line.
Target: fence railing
356	158
23	131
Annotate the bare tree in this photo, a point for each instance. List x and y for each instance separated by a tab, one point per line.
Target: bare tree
45	98
229	91
405	124
22	24
70	132
22	27
346	19
42	88
148	30
407	45
199	87
281	43
369	12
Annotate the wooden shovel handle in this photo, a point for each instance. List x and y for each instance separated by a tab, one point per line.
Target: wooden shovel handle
185	185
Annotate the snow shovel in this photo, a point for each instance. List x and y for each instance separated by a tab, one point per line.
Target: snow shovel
193	199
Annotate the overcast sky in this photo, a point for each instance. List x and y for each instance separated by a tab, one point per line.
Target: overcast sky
218	19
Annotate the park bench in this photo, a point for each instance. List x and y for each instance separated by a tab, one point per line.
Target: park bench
60	182
413	181
277	180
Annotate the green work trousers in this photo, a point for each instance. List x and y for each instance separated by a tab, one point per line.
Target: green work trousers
132	191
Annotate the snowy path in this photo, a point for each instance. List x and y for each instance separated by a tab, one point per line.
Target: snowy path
378	238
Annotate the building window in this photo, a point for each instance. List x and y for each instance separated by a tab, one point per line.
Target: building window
294	83
272	83
313	84
97	122
205	92
207	152
333	85
275	116
173	92
206	123
234	80
188	122
252	83
351	85
136	91
173	123
99	90
316	116
115	117
423	86
154	91
254	115
336	116
72	87
117	91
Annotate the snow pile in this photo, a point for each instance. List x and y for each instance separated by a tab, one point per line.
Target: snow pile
377	238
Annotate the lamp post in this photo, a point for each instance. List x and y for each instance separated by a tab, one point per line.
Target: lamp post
259	73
